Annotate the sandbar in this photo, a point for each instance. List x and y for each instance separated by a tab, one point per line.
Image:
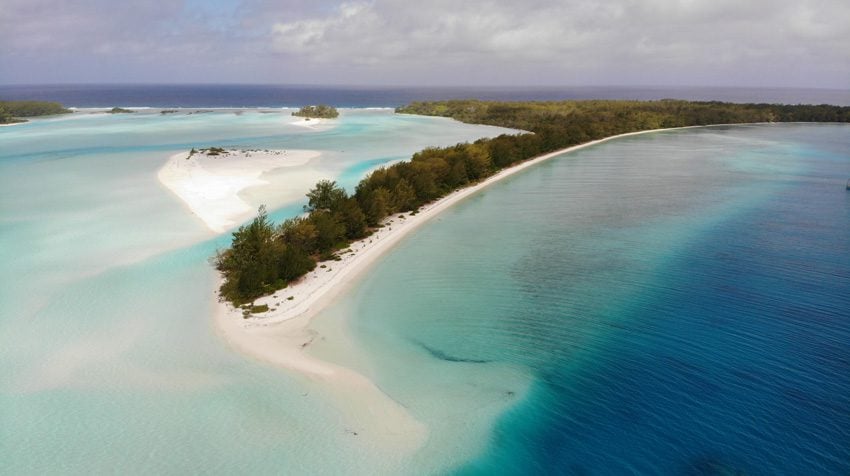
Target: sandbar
210	184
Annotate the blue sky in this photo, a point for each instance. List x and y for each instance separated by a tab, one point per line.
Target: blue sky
805	43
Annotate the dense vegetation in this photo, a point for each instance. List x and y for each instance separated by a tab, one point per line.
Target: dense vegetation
322	111
265	257
120	110
11	111
6	117
595	119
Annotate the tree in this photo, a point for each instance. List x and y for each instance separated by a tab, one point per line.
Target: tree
300	233
330	232
352	217
477	161
249	266
404	196
325	196
377	206
457	175
294	263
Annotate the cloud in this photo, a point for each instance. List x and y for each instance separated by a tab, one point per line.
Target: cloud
37	25
649	41
707	42
104	41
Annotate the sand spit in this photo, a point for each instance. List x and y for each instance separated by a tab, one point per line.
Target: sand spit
283	335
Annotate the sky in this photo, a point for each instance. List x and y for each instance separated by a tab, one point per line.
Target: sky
771	43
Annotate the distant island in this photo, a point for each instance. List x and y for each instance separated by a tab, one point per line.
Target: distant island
119	110
265	257
12	112
322	111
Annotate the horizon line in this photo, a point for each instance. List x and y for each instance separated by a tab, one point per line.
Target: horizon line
422	86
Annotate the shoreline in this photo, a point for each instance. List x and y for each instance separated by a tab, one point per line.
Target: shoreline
312	291
282	336
308	122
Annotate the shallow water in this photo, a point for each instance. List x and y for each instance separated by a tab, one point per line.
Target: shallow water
110	363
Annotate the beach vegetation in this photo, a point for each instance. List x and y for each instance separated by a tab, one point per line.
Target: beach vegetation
259	308
120	110
322	111
263	257
213	151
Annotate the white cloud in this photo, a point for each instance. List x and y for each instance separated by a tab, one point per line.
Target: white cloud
661	38
752	42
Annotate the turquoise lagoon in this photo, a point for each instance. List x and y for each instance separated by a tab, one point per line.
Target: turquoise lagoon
670	303
111	363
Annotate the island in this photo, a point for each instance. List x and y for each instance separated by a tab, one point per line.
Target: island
119	110
13	112
265	257
322	111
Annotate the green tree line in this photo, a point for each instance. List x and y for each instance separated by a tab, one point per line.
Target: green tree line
265	257
321	111
10	111
609	117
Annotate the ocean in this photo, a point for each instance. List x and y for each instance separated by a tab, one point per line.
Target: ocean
209	95
671	303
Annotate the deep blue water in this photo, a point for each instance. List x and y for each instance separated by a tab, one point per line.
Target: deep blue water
681	299
293	96
733	357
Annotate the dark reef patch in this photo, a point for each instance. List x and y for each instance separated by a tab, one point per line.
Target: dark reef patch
449	358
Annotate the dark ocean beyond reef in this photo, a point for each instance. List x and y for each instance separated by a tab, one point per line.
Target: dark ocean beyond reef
258	96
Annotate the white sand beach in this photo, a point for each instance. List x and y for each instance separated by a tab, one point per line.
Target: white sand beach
310	123
210	184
